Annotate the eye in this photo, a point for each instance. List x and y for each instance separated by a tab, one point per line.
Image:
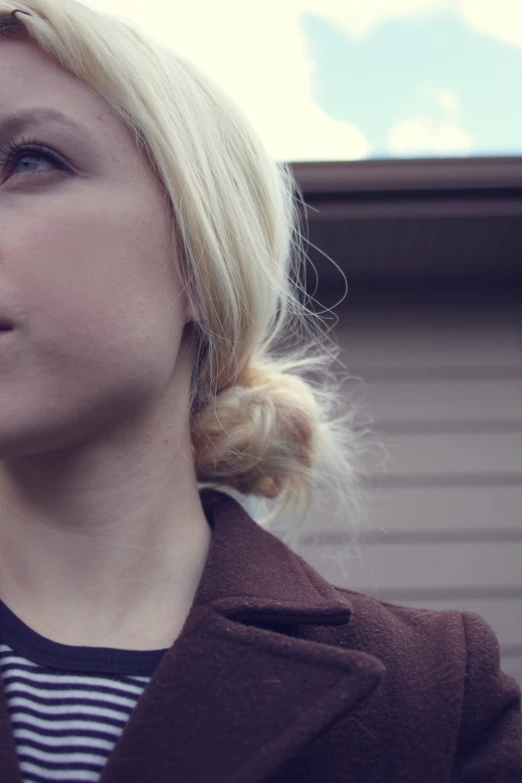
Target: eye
13	152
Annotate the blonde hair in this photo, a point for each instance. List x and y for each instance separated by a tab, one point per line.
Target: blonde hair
259	426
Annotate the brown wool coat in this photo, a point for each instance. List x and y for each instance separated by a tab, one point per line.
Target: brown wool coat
279	676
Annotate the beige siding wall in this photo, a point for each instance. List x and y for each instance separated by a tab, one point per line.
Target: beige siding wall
444	388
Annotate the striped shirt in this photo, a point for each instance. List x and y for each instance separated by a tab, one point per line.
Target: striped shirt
68	705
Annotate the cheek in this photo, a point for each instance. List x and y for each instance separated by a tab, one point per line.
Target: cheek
98	288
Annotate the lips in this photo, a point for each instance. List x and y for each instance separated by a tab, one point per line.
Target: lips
5	327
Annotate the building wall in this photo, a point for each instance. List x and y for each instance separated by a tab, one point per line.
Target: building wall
443	386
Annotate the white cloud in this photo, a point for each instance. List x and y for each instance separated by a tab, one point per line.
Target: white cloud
501	19
451	138
259	55
416	136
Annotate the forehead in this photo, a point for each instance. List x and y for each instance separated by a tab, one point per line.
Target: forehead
31	79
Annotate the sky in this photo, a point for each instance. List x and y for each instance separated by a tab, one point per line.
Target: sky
339	80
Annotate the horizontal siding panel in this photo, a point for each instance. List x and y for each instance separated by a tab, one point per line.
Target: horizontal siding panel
505	616
419	455
417	510
493	400
419	347
430	338
453	509
406	567
513	668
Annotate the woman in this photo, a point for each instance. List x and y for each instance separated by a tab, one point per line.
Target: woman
150	629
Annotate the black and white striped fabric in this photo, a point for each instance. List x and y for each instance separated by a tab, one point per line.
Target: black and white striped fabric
68	705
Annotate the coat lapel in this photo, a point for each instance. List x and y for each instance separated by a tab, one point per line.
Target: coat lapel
233	700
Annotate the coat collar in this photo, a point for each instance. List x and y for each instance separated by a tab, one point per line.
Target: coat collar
233	700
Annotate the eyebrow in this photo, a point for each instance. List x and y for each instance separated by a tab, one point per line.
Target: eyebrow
14	123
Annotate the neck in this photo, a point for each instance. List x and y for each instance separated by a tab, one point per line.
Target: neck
91	555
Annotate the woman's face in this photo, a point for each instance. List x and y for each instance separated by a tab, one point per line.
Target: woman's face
87	273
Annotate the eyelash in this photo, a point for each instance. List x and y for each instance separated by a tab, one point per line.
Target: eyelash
11	150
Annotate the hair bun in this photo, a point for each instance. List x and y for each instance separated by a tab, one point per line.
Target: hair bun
257	435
